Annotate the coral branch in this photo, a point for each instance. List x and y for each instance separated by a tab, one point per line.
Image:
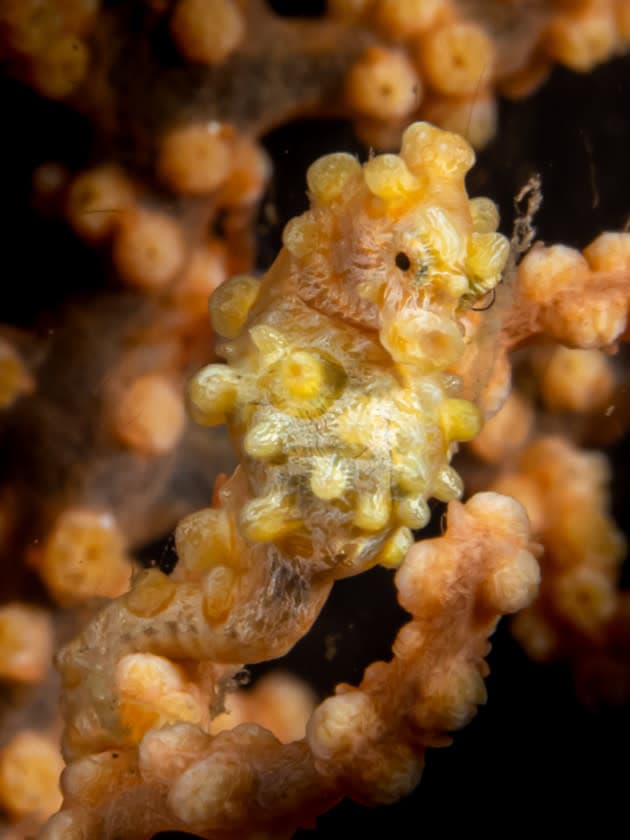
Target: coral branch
366	742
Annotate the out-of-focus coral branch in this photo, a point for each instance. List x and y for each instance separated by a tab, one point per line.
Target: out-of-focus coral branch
107	442
580	615
30	725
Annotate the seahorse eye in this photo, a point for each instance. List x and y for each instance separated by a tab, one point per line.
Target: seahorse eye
402	261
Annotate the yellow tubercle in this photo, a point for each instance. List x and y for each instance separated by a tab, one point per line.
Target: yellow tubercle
487	256
269	342
204	539
329	477
413	511
213	394
268	518
329	176
409	469
151	594
442	239
218	593
440	153
373	510
448	485
485	216
231	302
460	420
388	177
301	235
264	440
396	547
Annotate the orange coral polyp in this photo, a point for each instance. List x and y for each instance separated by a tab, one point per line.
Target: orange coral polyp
148	248
457	58
195	159
97	200
26	643
384	84
30	765
207	30
84	556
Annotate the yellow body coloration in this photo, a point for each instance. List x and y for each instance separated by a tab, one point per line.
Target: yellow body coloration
340	386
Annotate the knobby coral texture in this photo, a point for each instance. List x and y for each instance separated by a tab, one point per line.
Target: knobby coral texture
424	396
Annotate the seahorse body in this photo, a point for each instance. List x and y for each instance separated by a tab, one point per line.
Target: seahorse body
339	387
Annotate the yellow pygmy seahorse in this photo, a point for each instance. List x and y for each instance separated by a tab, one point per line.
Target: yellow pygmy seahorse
340	387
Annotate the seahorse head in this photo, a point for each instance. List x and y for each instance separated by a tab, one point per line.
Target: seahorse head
395	245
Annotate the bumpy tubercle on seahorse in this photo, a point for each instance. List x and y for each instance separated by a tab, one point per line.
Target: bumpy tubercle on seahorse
342	395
